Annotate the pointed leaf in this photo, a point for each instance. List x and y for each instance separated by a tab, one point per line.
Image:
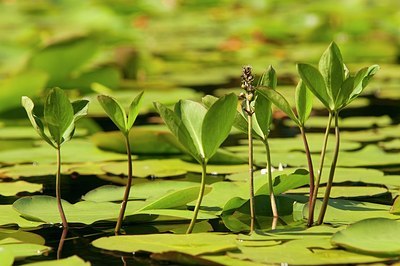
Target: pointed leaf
280	101
115	111
362	79
332	70
58	114
269	78
315	82
209	100
344	96
178	129
37	124
304	99
80	108
218	123
192	115
134	110
262	115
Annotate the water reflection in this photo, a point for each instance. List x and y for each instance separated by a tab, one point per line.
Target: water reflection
61	243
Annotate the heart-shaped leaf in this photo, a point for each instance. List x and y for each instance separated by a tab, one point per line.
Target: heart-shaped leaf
58	114
115	112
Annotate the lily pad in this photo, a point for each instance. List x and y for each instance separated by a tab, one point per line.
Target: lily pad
345	191
11	217
371	155
12	188
194	244
77	151
383	240
70	261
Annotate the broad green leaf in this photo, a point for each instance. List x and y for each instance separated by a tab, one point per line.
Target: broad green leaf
375	236
58	114
194	244
70	261
192	115
217	123
178	129
304	99
29	83
283	183
6	257
349	192
134	110
80	108
37	124
315	82
115	112
13	188
15	236
269	78
22	250
280	101
332	70
362	79
395	209
60	59
345	92
209	100
263	116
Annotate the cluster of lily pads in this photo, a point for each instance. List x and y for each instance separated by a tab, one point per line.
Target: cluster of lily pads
199	129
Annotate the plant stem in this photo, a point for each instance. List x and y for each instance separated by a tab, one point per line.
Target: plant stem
311	172
321	164
271	187
127	188
331	172
58	189
200	197
251	173
61	243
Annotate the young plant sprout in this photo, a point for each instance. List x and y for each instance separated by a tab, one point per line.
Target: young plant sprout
124	122
60	116
303	106
255	120
333	85
200	131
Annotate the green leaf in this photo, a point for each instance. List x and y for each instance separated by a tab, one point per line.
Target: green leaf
280	101
192	115
70	261
58	114
304	99
217	123
6	257
80	108
36	122
362	79
115	112
269	79
332	70
263	116
344	96
315	82
12	188
134	110
375	236
194	244
178	129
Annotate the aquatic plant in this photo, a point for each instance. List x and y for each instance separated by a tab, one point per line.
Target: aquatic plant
200	131
124	122
60	116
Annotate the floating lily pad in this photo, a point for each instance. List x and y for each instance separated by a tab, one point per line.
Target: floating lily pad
350	122
11	217
143	140
22	132
371	155
194	244
70	261
390	145
313	251
22	250
382	240
10	236
12	188
6	257
44	208
372	135
345	191
77	151
168	167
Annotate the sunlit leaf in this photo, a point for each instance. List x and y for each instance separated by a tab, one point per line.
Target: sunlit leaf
304	103
134	110
115	112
